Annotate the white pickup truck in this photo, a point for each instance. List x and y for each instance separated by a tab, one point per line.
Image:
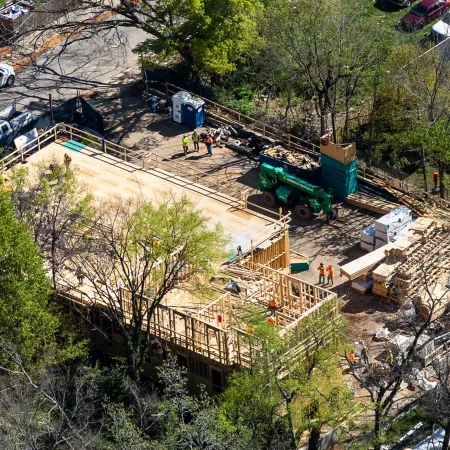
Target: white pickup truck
12	123
7	75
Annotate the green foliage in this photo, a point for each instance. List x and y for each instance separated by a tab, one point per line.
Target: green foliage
220	33
27	320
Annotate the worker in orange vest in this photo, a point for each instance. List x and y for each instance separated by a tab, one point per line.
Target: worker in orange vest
351	358
321	270
272	306
330	274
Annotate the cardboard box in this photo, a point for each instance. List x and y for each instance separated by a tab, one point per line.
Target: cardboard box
344	155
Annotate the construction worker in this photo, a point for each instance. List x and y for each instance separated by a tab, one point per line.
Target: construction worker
67	160
330	274
272	306
208	142
195	139
271	320
185	142
79	273
321	270
390	358
351	358
364	354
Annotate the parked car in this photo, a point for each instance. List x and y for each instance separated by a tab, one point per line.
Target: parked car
440	34
424	12
402	3
13	123
7	75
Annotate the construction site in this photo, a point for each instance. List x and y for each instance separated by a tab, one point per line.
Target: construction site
386	240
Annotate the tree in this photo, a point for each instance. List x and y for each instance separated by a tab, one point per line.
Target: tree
136	253
55	206
436	144
56	407
423	78
26	319
211	36
437	401
281	398
331	46
383	385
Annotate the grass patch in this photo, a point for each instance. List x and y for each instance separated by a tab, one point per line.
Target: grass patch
386	15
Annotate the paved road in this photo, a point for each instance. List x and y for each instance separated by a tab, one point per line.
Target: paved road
82	65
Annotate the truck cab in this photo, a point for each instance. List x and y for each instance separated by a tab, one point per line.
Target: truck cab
7	75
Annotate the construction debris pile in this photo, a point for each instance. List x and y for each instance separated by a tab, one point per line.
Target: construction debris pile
388	228
290	157
292	162
411	269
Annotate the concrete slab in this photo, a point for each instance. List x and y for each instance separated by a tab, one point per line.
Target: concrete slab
108	176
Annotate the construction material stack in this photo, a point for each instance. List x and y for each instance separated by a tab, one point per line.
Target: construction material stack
392	225
339	170
293	163
386	229
413	269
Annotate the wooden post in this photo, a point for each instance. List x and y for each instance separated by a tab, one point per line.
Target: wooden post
239	117
39	142
54	132
70	132
125	153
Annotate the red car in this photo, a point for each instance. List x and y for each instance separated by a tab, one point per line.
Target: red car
424	12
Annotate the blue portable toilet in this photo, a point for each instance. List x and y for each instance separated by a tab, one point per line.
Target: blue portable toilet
188	110
194	112
178	101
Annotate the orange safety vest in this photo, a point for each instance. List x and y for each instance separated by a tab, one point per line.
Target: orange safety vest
272	304
330	271
321	269
351	357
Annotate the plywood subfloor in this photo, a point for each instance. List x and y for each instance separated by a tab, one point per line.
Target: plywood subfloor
107	176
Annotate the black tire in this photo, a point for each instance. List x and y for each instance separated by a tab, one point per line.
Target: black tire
269	199
10	81
303	212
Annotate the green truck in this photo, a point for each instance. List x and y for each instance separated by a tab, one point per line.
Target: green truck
306	199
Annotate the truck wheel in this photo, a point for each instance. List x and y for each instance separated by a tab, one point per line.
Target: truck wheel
269	198
303	212
10	81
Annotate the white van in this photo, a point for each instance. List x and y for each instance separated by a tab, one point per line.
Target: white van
440	32
7	75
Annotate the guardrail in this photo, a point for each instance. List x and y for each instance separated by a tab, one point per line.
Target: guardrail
292	141
238	194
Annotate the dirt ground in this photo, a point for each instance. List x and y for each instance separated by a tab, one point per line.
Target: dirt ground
131	125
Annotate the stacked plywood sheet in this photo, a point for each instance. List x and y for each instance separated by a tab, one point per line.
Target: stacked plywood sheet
365	264
386	229
368	238
392	225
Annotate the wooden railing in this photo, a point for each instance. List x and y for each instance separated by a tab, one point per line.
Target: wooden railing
290	140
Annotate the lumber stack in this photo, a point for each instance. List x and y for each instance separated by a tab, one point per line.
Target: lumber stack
413	268
371	203
383	275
